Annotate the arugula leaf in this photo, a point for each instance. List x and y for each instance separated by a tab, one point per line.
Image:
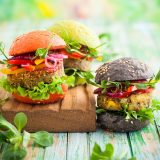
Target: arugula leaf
2	52
41	52
143	114
157	77
20	120
42	138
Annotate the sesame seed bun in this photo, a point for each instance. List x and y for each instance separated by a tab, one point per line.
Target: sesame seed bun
31	41
123	69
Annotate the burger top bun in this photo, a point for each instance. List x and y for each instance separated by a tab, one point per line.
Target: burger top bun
72	31
31	41
123	69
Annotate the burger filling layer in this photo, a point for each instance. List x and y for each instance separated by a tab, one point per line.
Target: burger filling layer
134	102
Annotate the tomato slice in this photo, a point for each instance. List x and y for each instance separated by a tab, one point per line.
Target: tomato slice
29	67
74	55
20	61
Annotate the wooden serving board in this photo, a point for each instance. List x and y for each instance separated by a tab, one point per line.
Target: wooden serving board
76	113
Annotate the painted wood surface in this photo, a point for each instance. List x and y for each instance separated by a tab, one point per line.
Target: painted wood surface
140	41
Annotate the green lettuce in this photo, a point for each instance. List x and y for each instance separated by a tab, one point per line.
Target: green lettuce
39	92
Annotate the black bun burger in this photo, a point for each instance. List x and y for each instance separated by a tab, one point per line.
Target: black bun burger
124	94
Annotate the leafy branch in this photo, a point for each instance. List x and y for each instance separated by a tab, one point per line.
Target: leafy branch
14	140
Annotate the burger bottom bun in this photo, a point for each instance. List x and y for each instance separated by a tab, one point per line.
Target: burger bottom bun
80	64
52	98
117	123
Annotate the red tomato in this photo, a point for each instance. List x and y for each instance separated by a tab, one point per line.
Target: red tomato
29	67
19	61
74	55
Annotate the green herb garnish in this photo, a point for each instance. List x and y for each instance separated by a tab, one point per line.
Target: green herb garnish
107	154
143	114
14	140
2	50
79	77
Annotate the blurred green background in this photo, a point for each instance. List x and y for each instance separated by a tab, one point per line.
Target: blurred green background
104	10
132	25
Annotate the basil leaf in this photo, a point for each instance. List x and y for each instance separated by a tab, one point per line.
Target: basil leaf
42	138
20	120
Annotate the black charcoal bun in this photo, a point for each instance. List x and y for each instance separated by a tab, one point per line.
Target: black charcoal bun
123	69
112	121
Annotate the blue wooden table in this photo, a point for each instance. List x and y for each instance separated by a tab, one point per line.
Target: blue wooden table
136	40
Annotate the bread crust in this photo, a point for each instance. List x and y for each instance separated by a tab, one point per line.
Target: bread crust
123	69
31	41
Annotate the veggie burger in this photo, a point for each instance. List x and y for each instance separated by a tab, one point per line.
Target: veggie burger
82	46
124	94
35	69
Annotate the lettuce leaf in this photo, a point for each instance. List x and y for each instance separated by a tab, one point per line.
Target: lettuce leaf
39	92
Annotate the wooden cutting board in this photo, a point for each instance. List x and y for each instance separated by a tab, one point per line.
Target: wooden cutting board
76	113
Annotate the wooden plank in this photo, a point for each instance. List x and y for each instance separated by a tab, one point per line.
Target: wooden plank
58	150
70	115
77	146
145	143
34	153
119	140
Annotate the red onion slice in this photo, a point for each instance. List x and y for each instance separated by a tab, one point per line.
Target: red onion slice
52	59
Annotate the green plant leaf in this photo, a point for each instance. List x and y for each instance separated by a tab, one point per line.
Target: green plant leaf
11	153
20	120
42	138
41	52
5	124
157	77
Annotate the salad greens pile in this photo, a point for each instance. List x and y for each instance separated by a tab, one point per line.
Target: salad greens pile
14	140
40	92
107	154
